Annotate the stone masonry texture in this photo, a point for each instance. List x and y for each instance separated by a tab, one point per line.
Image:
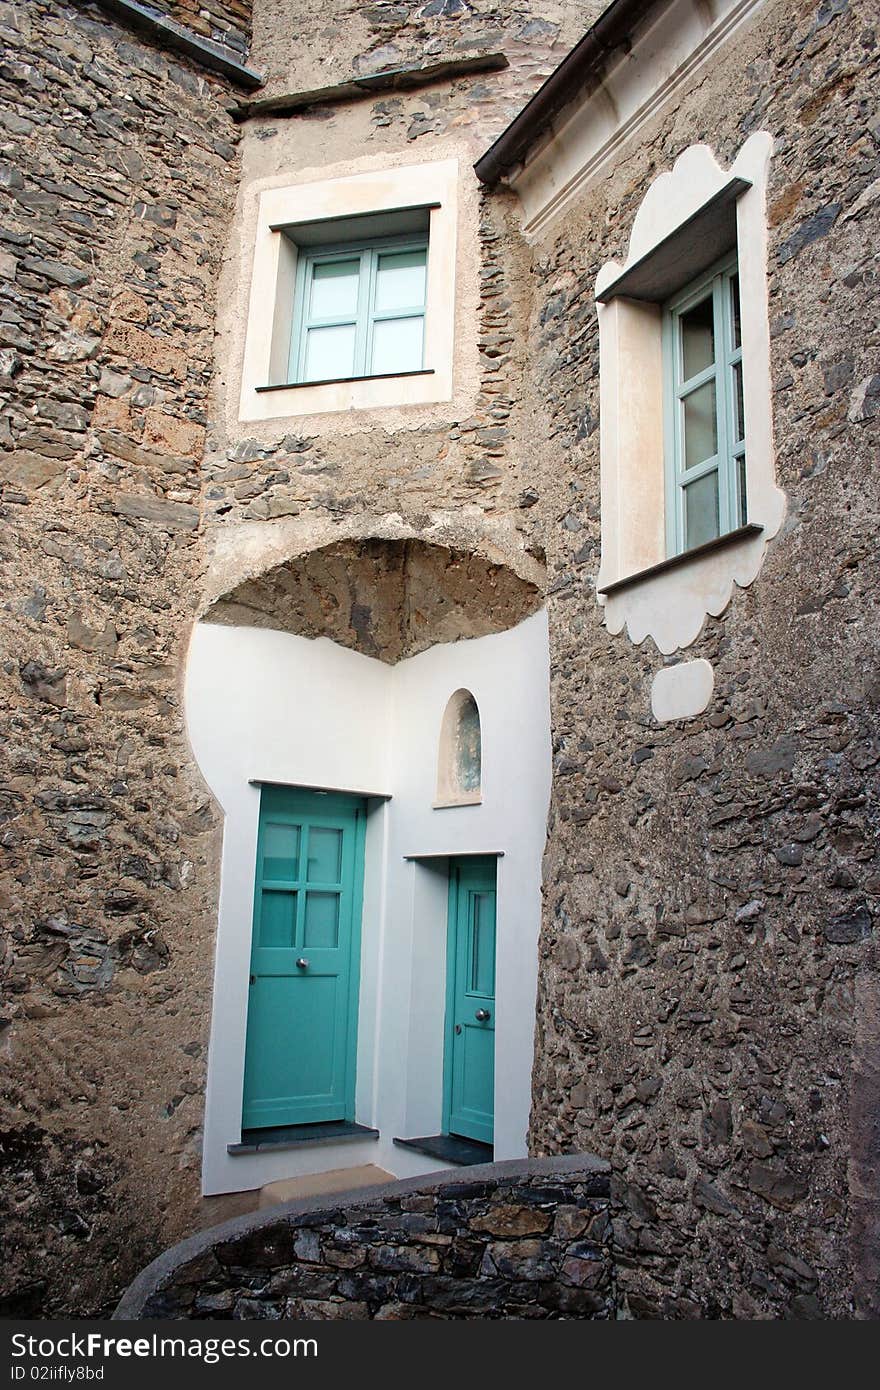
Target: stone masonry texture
707	1015
119	171
540	1241
708	988
227	22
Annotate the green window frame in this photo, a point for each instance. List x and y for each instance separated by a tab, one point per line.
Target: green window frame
347	314
704	410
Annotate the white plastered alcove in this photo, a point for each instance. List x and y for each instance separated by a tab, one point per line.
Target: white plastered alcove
269	705
671	606
459	752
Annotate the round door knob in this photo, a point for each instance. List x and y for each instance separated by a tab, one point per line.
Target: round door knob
482	1015
302	963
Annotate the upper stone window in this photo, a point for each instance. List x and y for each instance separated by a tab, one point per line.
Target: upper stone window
704	418
459	764
688	490
353	294
359	308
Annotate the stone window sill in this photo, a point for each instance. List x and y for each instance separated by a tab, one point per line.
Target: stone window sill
459	854
299	1137
341	380
449	1148
675	562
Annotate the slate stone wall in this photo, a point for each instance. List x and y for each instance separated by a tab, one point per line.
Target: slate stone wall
119	168
303	45
223	21
507	1240
708	1006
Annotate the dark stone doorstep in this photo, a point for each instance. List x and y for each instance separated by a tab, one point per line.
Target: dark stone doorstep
296	1136
450	1148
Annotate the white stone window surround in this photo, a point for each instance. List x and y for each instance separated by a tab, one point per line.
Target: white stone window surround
433	186
671	605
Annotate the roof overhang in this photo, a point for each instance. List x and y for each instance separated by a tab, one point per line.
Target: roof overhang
579	72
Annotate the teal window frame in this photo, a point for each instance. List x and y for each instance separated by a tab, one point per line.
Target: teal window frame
366	315
729	460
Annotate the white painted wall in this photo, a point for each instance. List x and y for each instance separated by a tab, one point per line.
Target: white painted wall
272	706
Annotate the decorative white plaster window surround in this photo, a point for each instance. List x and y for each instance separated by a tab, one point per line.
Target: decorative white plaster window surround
689	218
396	207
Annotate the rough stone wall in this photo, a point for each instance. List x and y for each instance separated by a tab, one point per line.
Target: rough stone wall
464	467
708	987
509	1240
315	46
461	464
223	21
386	599
119	170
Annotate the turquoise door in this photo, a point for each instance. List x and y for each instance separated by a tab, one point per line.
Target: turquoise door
302	1002
470	1000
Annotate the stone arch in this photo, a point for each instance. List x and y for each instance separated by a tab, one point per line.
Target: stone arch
386	597
460	752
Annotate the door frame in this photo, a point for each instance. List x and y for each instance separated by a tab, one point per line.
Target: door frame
451	951
358	806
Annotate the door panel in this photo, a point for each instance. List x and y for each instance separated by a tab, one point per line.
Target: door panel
302	1006
470	1010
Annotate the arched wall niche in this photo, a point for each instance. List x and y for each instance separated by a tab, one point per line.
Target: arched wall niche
460	753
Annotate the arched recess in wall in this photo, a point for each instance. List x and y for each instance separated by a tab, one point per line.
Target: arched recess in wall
460	753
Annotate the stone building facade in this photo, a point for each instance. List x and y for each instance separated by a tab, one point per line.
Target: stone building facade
705	975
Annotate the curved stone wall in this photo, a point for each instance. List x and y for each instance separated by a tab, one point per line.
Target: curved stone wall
532	1239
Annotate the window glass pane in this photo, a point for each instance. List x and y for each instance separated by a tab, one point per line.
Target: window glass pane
397	345
322	920
280	851
734	311
697	338
700	425
329	353
277	919
468	747
325	855
741	470
483	944
701	510
400	280
739	427
334	289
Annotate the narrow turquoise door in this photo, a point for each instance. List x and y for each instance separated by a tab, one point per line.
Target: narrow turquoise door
470	1000
302	1001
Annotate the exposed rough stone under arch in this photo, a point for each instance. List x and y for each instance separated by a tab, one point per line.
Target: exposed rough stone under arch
386	598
